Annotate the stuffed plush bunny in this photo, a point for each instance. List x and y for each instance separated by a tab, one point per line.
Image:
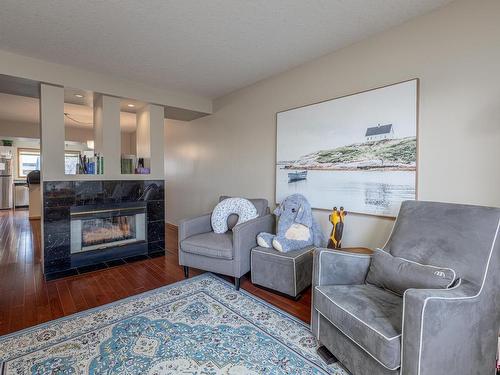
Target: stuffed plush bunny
296	226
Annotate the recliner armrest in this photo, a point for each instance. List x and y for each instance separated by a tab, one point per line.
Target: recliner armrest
245	234
443	321
336	267
195	225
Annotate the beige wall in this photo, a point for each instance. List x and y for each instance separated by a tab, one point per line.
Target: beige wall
32	130
128	143
19	129
77	134
38	70
454	51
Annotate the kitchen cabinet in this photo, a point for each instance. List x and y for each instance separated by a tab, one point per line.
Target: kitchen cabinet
21	195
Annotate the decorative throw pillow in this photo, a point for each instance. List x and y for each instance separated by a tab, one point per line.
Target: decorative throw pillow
239	206
398	274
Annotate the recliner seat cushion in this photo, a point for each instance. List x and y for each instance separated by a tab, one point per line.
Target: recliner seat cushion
398	274
368	315
210	245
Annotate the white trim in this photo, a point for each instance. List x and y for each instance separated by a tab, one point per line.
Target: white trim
393	226
319	320
281	256
331	252
345	253
354	341
355	317
403	327
403	320
423	265
294	279
453	298
251	266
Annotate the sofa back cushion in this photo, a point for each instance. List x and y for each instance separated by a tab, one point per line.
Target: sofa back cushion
453	235
398	274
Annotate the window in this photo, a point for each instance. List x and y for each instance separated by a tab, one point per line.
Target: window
71	161
28	159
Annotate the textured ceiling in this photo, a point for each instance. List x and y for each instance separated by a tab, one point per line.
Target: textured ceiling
208	48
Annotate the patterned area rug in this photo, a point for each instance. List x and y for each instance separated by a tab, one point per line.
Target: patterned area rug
196	326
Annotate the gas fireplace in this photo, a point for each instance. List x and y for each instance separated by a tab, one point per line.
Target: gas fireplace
98	228
91	225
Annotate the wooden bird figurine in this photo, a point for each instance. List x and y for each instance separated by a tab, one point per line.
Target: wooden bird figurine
337	220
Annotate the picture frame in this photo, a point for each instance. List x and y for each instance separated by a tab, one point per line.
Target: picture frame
359	151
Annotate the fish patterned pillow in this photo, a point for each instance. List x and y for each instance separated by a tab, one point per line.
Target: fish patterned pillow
238	206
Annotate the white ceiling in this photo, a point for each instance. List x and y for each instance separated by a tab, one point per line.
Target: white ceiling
200	47
23	110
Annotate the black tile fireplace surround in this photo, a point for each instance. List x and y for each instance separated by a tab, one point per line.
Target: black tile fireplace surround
62	199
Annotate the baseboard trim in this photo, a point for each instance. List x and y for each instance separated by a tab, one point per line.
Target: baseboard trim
171	226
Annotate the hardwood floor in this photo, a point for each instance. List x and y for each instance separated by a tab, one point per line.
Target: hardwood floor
26	299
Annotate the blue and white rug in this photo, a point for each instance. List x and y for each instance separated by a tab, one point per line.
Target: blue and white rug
197	326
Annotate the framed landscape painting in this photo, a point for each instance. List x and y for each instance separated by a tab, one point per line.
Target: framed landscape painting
358	151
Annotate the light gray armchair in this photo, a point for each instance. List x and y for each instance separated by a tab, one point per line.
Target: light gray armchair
228	253
373	331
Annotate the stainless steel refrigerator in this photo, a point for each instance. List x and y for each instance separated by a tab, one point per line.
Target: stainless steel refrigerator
6	183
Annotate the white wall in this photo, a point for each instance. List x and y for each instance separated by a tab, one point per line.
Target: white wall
454	51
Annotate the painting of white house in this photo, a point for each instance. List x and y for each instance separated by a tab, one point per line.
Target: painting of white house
358	151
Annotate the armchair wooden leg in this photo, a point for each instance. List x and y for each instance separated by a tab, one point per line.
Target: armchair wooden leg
186	272
237	283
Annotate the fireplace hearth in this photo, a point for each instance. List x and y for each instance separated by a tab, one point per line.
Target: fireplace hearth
88	225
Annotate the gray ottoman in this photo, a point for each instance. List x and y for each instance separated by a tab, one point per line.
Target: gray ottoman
288	273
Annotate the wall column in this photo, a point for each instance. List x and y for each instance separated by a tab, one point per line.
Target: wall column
142	135
107	133
149	139
51	131
157	137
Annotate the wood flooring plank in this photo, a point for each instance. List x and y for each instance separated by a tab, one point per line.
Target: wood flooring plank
67	303
27	299
54	300
76	294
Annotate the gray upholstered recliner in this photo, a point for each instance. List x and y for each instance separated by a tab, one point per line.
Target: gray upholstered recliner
227	253
427	331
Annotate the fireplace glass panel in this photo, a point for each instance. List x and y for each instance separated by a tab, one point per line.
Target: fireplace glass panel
103	227
97	231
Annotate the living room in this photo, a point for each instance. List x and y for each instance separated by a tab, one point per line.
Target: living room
264	110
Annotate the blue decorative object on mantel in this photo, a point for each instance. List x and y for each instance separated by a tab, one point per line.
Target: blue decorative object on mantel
196	326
